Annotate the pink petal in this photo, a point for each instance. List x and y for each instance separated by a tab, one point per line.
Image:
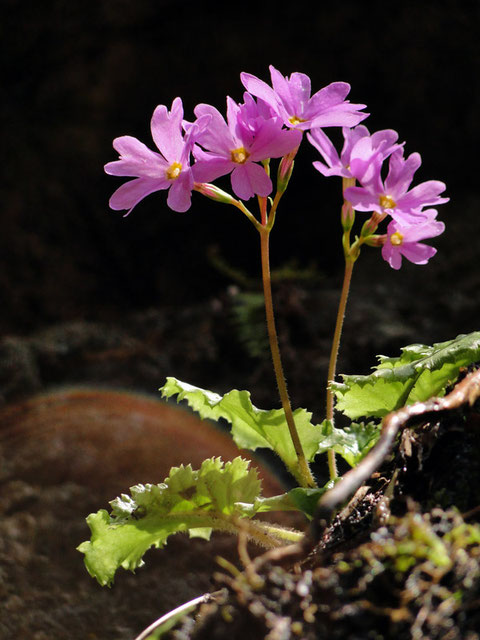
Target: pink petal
249	180
327	171
210	166
260	89
167	130
323	144
330	96
180	193
408	217
216	136
343	115
233	111
424	194
418	232
385	140
366	167
282	89
273	142
351	137
362	200
392	255
418	253
130	193
401	172
193	131
300	90
136	159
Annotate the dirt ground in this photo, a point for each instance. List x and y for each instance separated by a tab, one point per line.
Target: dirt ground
52	478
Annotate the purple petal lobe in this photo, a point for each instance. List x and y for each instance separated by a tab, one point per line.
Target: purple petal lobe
426	193
322	143
130	193
249	180
180	193
136	159
216	136
362	200
394	258
418	253
328	97
273	142
401	172
210	166
167	130
260	89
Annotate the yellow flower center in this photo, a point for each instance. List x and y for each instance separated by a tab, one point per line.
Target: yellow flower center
396	239
240	155
387	202
173	171
296	120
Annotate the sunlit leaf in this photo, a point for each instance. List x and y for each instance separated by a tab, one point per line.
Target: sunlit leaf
252	428
192	501
421	372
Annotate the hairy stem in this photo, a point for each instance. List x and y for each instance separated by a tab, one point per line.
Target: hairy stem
332	367
304	475
266	534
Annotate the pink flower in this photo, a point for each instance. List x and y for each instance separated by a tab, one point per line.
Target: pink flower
237	145
403	240
253	113
170	169
291	99
392	196
359	145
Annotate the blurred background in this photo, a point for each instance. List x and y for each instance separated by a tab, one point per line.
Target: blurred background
82	73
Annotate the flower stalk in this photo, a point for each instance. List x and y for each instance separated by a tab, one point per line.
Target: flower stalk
332	366
303	475
351	253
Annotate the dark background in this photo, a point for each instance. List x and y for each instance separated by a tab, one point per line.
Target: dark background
81	73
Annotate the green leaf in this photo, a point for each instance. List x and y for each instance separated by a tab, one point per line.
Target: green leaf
297	499
195	502
188	500
306	499
352	443
252	428
420	373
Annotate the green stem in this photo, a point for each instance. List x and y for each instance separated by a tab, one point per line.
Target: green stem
332	367
304	475
287	535
266	534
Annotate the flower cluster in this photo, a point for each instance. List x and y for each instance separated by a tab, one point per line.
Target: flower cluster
362	159
270	124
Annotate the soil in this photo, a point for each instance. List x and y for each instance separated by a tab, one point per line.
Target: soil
393	564
348	587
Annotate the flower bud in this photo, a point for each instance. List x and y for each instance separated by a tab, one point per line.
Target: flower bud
376	240
285	170
371	225
348	216
214	193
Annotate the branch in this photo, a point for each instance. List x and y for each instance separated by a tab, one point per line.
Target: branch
465	392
